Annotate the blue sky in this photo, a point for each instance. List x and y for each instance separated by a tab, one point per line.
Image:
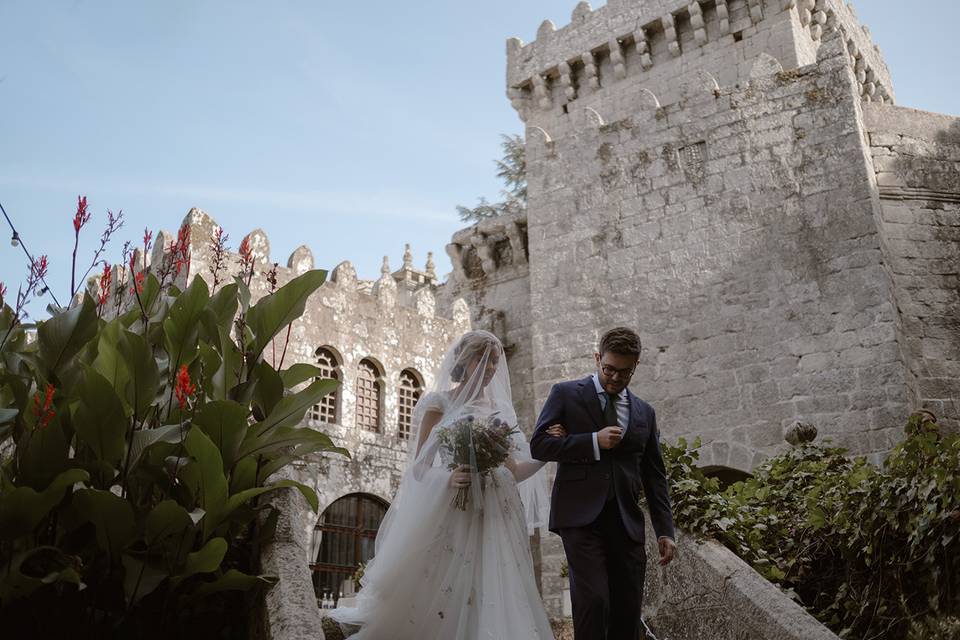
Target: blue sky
351	127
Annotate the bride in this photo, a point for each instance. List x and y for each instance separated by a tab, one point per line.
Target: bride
452	554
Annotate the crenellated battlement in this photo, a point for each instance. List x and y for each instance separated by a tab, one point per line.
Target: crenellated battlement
408	288
492	249
660	44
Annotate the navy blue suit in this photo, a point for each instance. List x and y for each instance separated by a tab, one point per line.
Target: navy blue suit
594	507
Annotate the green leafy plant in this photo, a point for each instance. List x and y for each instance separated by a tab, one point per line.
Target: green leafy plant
869	550
134	451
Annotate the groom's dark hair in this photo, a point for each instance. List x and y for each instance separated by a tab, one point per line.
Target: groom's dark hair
622	341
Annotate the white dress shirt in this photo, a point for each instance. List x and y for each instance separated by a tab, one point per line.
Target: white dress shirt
623	412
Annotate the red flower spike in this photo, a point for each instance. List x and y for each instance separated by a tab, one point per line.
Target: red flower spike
39	268
82	217
184	389
105	280
43	409
138	283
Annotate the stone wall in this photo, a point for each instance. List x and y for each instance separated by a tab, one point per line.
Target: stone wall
735	229
916	157
628	47
491	274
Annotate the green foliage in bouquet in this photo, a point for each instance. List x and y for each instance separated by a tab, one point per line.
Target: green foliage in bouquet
133	452
482	443
871	551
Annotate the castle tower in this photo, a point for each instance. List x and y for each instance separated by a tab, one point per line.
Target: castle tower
733	179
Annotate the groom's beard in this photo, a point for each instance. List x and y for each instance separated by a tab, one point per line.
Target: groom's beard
610	386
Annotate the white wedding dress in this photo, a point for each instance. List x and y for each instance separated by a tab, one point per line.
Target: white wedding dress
442	573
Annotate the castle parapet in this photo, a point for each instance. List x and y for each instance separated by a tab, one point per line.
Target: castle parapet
407	288
643	40
492	248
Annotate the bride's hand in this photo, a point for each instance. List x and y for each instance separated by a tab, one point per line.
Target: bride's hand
460	477
557	431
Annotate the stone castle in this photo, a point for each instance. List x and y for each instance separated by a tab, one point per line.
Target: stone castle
730	177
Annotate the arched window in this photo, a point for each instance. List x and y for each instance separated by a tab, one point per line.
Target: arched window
326	410
369	392
410	390
347	531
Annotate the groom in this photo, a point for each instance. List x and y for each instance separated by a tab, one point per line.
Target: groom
611	448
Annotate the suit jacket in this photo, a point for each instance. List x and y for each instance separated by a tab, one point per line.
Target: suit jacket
582	483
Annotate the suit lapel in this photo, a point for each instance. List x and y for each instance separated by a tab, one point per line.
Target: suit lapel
588	395
634	417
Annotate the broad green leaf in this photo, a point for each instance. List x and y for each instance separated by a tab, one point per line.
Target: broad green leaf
244	475
143	439
238	499
143	371
64	335
110	514
299	373
140	579
277	463
228	375
268	387
275	311
213	484
232	580
182	325
243	294
109	362
225	422
100	420
291	409
22	508
205	560
166	519
283	437
223	307
44	453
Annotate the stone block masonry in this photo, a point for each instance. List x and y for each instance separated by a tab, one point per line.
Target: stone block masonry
735	229
628	46
916	160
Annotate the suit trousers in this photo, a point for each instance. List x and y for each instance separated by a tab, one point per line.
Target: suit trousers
606	578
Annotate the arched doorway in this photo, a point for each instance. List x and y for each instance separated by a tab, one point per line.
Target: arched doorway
347	530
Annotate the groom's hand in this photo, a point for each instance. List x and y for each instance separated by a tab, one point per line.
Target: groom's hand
668	549
609	437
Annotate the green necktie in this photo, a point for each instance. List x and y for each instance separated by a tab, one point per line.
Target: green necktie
610	411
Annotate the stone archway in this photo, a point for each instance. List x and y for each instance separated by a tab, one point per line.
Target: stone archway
729	462
344	539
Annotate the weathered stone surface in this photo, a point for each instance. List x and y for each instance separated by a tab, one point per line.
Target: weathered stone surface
709	593
916	160
290	606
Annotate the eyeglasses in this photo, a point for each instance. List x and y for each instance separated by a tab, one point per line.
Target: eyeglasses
612	372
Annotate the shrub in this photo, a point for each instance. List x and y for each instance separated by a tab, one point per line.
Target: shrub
868	550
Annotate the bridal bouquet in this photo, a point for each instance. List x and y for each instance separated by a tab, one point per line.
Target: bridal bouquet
490	440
